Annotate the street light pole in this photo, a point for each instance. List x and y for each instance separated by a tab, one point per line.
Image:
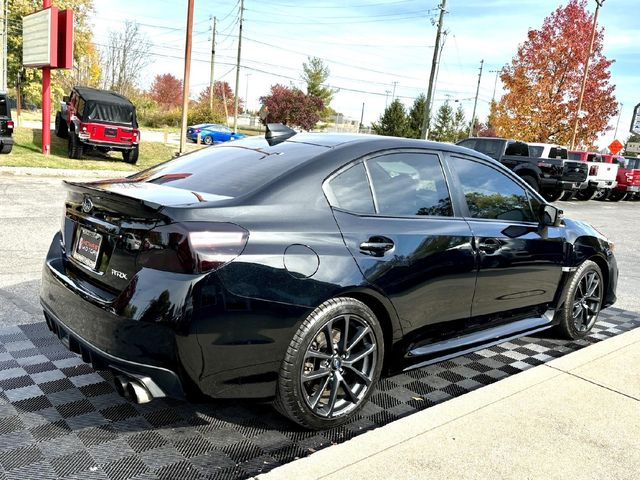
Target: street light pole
586	74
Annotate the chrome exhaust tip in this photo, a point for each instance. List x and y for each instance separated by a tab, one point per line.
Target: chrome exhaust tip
121	383
138	393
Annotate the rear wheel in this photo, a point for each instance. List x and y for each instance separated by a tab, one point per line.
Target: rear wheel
6	148
61	126
131	156
568	195
552	195
586	194
582	297
332	364
602	194
531	181
207	140
617	195
75	147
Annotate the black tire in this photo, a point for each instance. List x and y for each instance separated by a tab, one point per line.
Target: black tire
586	194
577	316
552	195
602	194
131	156
531	181
616	195
309	349
207	140
75	147
568	195
6	148
61	127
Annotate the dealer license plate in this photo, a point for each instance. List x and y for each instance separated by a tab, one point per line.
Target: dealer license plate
88	248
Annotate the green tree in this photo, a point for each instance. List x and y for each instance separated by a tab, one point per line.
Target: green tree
86	60
443	130
416	116
315	73
393	122
460	126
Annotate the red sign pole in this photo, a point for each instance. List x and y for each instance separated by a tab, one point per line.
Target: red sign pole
46	102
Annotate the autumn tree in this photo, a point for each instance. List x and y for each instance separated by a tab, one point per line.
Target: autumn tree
543	82
166	91
291	106
393	122
416	115
222	92
86	69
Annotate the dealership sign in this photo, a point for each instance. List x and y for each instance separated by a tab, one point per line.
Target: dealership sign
635	120
632	147
48	39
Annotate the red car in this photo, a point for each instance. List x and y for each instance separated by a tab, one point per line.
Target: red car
100	119
628	178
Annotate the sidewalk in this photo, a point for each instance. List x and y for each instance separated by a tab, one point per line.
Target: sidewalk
575	417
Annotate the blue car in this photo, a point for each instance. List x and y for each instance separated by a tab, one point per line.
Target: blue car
211	133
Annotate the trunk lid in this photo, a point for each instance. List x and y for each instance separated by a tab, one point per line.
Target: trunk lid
105	224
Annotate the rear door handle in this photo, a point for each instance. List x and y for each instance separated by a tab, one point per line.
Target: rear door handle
377	246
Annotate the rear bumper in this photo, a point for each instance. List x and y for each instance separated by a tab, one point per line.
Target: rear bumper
112	145
600	184
549	183
628	188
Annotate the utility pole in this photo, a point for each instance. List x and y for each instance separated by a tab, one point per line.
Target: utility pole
235	103
586	74
213	62
246	94
393	95
435	81
495	84
434	63
615	134
185	81
475	103
361	118
3	76
386	98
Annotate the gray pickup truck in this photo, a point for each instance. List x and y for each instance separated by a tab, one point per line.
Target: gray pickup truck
6	125
552	177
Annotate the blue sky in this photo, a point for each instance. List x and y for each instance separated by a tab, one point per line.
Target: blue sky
367	44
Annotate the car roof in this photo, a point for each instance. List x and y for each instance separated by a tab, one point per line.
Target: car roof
106	96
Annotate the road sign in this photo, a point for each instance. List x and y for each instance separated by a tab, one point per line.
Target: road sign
635	120
632	147
616	147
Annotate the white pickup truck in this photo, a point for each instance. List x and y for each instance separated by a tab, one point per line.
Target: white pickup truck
602	176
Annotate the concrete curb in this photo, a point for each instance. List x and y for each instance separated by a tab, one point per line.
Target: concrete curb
338	457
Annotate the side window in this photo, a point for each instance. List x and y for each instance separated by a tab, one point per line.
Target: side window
490	193
350	190
79	107
518	149
468	143
492	148
406	184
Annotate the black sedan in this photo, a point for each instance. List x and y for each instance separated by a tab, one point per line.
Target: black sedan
299	267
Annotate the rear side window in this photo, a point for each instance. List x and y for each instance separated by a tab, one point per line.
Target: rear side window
231	170
518	149
536	151
492	148
407	184
491	194
574	156
350	191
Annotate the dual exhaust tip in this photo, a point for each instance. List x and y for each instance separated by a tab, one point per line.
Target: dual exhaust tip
132	389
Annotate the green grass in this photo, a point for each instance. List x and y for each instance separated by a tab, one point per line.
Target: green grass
27	148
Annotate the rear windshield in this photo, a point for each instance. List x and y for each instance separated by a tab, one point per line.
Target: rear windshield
535	151
109	113
231	170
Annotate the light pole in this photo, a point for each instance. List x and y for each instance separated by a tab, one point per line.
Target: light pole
586	73
246	94
615	134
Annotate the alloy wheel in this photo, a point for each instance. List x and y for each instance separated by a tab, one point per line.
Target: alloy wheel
586	301
339	366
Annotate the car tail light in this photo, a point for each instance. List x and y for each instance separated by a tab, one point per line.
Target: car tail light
192	247
10	125
593	170
198	130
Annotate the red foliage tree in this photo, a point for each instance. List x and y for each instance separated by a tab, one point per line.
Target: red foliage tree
166	91
218	89
544	78
291	106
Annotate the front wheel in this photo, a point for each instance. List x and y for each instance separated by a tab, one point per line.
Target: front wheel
332	365
531	181
586	194
552	195
617	195
582	297
75	147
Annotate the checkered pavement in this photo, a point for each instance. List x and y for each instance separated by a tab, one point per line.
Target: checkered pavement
61	419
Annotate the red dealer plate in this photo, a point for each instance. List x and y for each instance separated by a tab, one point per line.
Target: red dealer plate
88	248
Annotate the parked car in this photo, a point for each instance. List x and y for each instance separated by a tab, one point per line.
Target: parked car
298	266
550	176
628	178
212	133
602	176
98	119
6	125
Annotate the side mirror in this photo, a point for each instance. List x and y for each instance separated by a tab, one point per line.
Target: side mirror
550	216
65	99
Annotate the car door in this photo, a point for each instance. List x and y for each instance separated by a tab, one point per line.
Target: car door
519	262
397	220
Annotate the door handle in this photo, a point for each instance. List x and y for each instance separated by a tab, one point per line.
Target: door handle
489	245
377	246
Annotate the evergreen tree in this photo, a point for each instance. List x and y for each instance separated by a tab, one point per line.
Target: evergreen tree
459	125
393	121
416	116
443	125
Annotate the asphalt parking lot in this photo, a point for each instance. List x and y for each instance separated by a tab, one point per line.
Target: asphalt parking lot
59	418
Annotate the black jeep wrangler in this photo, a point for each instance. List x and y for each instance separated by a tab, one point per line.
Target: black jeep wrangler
6	125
